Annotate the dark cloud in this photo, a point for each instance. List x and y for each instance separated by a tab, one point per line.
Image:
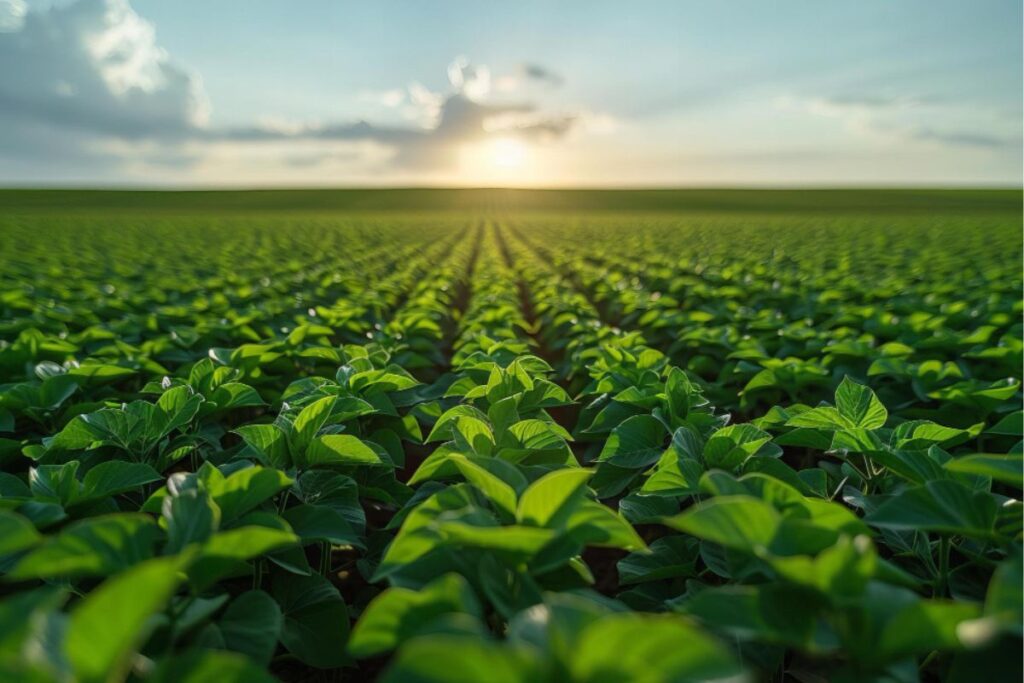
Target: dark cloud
536	72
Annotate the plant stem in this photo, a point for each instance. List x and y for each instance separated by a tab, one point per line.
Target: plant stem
257	575
325	559
943	584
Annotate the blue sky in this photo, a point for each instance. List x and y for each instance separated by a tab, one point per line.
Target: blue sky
528	93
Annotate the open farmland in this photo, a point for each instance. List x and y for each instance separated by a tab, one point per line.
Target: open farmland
511	436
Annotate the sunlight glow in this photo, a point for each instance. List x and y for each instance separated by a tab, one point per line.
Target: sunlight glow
499	160
507	153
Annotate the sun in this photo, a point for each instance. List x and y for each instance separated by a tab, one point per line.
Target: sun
507	153
498	160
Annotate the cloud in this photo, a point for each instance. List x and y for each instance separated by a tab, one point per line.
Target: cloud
472	81
927	119
528	73
461	120
12	14
970	139
536	72
94	65
460	117
90	84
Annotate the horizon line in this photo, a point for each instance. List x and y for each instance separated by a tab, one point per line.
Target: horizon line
171	188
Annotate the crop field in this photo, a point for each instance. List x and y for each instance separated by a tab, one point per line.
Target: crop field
511	436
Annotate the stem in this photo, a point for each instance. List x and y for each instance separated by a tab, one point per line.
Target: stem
839	488
284	500
867	475
257	575
864	477
943	584
325	559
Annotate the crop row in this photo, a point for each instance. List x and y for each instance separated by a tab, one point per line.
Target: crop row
510	449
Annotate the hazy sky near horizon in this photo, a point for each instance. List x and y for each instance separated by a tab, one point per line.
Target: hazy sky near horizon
526	93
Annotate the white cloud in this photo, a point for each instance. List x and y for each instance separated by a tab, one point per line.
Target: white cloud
385	98
95	65
424	105
90	86
927	120
12	14
525	74
473	81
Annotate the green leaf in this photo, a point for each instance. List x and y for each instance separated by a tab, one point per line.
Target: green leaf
97	546
321	487
55	483
513	540
321	523
251	625
340	450
245	543
16	533
592	523
681	394
840	572
235	395
398	614
430	660
55	390
191	517
245	489
113	620
1011	425
473	435
738	522
227	552
636	443
920	434
731	446
179	405
497	491
924	626
822	417
612	649
942	506
547	498
667	558
444	425
115	477
680	467
269	442
1008	469
771	613
309	422
1004	600
101	371
208	666
858	404
316	626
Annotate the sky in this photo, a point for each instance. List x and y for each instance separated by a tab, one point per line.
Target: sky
645	93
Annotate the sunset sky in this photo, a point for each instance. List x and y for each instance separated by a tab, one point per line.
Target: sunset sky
640	93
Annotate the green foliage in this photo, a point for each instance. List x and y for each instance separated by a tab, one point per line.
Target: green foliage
511	447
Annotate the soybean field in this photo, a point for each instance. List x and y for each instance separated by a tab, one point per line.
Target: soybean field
511	436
